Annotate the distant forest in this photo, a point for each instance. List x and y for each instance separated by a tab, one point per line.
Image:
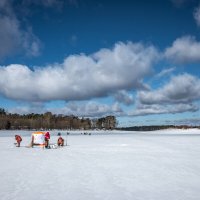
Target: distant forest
154	128
49	121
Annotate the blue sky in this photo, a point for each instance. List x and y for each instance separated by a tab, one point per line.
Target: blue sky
137	60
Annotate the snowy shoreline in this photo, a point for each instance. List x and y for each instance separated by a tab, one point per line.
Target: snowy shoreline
4	133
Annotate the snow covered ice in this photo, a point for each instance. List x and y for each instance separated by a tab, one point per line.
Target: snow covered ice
159	165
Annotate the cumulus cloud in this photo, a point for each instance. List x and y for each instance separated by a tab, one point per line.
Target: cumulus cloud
181	89
81	77
93	109
197	15
124	97
165	72
143	110
38	108
12	38
31	43
184	50
177	96
10	35
89	109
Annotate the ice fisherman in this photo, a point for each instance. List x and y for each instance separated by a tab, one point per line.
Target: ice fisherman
60	141
47	138
18	138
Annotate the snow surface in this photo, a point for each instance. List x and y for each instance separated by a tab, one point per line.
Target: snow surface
159	165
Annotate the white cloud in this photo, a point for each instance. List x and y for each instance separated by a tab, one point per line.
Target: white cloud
165	72
177	96
143	110
31	43
80	76
197	15
124	97
181	89
89	109
184	50
12	38
27	109
93	109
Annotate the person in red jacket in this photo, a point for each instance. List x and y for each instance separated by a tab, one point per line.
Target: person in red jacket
60	141
47	138
18	139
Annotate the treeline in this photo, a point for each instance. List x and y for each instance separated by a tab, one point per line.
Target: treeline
49	121
154	128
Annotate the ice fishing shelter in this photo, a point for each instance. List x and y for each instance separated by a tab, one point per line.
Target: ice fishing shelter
38	139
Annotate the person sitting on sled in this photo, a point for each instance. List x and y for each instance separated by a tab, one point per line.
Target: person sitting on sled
46	138
60	141
18	139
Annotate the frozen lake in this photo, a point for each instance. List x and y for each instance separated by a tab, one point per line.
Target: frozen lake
160	165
